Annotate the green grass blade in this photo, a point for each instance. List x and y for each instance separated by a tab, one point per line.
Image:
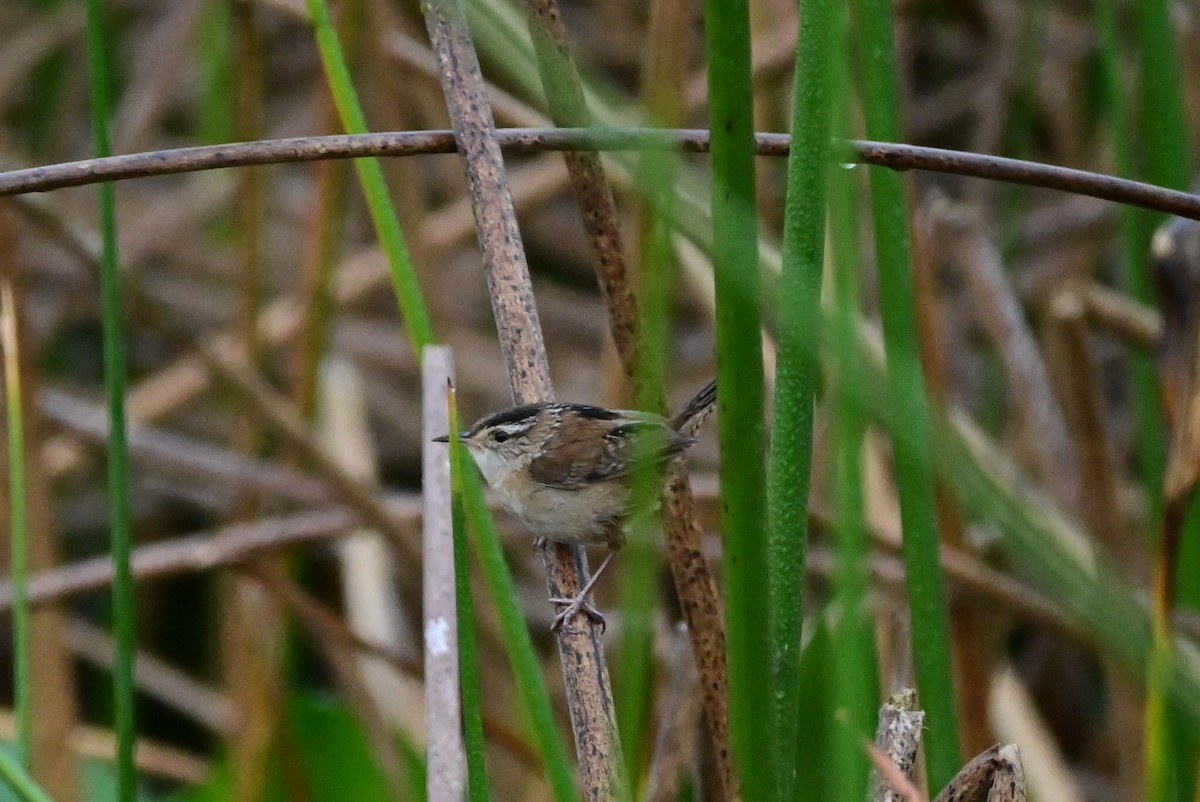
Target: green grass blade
797	367
19	523
855	690
1135	227
1167	161
740	397
914	474
468	656
1163	123
641	559
379	202
531	685
100	81
20	781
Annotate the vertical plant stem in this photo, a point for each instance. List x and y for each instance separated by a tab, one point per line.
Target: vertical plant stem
472	701
442	609
19	780
740	398
100	81
531	685
516	637
1167	154
18	521
854	662
255	643
379	204
1163	123
581	654
657	175
327	227
589	185
906	387
1134	227
797	368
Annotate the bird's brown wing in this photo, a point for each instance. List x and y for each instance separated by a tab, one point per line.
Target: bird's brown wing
607	453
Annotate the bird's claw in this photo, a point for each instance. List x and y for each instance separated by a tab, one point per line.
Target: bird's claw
573	606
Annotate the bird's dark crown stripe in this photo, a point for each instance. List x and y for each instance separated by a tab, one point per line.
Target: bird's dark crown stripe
591	412
514	415
530	411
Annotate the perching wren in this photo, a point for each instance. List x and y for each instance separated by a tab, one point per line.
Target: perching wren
564	469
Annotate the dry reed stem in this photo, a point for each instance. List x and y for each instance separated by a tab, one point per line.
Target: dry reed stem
251	625
1072	364
233	544
371	603
445	752
536	140
585	673
973	645
187	377
897	738
679	709
54	713
1044	431
694	582
152	757
155	677
319	616
1017	718
593	195
327	637
327	223
994	775
282	417
1140	326
228	471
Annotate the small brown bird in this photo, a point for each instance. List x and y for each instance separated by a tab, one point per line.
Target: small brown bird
564	469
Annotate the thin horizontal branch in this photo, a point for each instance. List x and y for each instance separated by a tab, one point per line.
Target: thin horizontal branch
532	140
198	552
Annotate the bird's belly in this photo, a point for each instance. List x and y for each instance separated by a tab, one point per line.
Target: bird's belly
585	516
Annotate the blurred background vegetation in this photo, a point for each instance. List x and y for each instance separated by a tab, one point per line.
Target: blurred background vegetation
279	644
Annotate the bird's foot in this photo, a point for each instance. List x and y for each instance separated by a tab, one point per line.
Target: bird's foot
579	604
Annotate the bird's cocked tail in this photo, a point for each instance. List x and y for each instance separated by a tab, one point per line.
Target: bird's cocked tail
696	411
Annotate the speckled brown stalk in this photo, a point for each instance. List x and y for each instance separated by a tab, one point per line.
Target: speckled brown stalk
564	94
585	673
694	582
898	736
996	775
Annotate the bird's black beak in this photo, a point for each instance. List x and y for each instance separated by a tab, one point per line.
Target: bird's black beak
446	438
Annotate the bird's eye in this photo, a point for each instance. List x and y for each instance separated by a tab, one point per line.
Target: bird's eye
500	435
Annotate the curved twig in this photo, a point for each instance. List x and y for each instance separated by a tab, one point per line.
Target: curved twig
531	140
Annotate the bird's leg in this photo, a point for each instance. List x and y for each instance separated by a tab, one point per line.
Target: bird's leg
580	602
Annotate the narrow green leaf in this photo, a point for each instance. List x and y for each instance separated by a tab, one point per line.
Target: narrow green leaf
379	202
100	81
797	368
906	386
531	685
855	690
468	652
20	781
740	398
18	522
